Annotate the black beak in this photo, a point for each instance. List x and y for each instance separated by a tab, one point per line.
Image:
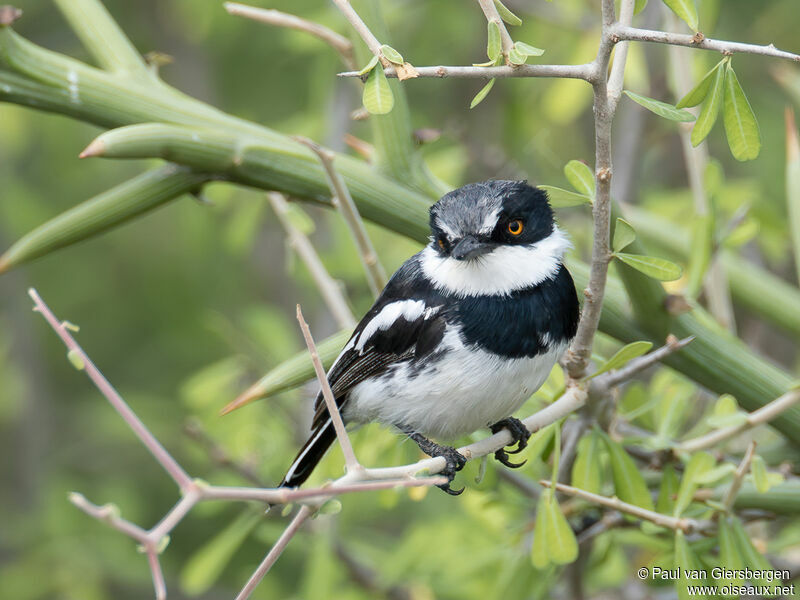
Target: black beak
469	247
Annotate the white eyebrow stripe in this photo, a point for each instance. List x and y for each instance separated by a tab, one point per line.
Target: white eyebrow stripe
490	221
500	272
411	310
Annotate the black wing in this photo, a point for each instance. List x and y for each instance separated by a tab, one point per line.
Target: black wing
406	321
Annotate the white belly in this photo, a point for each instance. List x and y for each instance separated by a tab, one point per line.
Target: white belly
462	391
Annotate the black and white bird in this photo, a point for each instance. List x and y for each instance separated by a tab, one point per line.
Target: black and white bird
463	333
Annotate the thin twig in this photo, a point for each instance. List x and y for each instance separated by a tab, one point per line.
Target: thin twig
361	29
757	417
350	460
343	202
584	71
281	19
682	524
328	288
622	32
616	79
158	451
109	514
294	526
738	477
492	16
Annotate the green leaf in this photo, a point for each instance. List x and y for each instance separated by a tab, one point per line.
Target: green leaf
657	268
527	49
76	360
293	372
740	122
369	66
698	465
105	211
730	556
378	98
482	94
685	560
561	542
793	186
710	111
758	468
726	413
392	55
540	551
331	507
516	58
587	469
629	484
541	443
580	177
204	567
715	475
700	249
686	11
752	557
561	198
622	356
639	6
505	14
667	490
623	235
699	92
662	109
494	46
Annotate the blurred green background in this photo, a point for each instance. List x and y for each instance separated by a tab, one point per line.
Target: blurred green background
185	308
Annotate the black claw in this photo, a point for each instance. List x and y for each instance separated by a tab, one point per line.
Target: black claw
454	461
520	436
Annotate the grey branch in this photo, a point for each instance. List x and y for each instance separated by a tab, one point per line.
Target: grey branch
640	364
281	19
343	202
492	16
622	32
762	415
675	523
329	288
584	71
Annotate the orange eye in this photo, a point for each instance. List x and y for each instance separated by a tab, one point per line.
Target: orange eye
515	227
441	243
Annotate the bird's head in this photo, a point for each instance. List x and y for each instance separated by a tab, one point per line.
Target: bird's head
493	237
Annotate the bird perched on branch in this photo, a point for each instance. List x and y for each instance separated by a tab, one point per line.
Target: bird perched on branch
464	332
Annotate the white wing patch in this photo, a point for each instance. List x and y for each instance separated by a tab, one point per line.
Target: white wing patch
411	310
502	271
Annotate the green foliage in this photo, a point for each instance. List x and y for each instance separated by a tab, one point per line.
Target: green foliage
196	302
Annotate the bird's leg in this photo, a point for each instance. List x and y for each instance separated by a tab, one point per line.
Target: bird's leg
520	436
454	461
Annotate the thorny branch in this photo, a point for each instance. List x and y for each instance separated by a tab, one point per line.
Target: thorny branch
356	479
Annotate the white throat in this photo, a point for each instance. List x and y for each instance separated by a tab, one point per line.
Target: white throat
500	272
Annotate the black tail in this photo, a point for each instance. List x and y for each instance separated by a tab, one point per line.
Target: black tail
310	455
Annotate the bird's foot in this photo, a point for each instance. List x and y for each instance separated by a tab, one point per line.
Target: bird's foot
454	461
519	434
